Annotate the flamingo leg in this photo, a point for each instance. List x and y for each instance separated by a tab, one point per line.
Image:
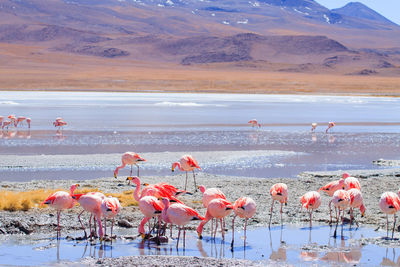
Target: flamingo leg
394	224
216	228
112	228
90	225
130	173
212	228
337	222
245	235
179	235
105	226
330	212
281	214
310	219
58	223
233	231
79	218
186	181
342	222
184	236
222	230
270	215
194	178
137	170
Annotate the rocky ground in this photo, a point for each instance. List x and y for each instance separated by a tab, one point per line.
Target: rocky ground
43	221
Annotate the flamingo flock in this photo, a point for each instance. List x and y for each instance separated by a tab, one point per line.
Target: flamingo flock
14	121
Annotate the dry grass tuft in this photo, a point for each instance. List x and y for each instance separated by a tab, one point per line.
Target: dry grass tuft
14	201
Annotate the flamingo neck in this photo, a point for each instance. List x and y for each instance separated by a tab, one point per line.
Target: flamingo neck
119	167
164	211
177	164
137	190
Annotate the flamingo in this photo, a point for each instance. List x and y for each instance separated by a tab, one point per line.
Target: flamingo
59	123
1	120
350	182
28	121
90	202
330	125
311	201
187	163
244	207
151	190
217	208
389	204
341	200
330	189
13	119
150	207
129	158
179	214
278	192
210	194
313	126
6	124
20	119
110	207
356	201
254	123
61	200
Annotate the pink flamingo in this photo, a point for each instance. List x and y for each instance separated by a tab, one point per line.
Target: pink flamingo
150	207
254	123
389	204
180	215
187	163
210	194
61	200
311	201
341	200
350	182
91	203
60	124
330	125
13	119
356	201
279	193
330	189
6	124
28	121
20	120
313	126
1	120
110	207
244	207
129	158
217	208
151	190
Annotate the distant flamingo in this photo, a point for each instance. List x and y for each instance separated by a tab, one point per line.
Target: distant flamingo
313	126
91	203
60	124
341	200
150	207
311	201
180	215
129	158
244	207
13	119
61	200
350	182
330	189
389	204
356	201
210	194
217	208
6	124
110	207
187	163
20	120
1	120
254	123
279	193
28	121
330	125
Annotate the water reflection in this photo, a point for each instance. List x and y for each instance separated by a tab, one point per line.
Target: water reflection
390	261
280	254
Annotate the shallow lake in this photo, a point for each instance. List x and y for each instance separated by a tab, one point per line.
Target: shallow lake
289	244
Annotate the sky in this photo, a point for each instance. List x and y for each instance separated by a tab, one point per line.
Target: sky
388	8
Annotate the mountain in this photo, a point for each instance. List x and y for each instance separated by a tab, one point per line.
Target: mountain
361	11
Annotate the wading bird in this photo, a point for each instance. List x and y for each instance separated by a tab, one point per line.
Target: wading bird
341	200
245	208
187	163
389	204
180	215
330	189
254	123
356	201
150	207
61	200
210	194
330	125
129	158
110	207
279	193
311	201
351	182
313	126
217	208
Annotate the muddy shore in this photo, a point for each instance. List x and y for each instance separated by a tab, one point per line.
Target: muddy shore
43	221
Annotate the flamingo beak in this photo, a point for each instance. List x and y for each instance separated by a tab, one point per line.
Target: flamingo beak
200	236
115	176
362	214
143	236
172	169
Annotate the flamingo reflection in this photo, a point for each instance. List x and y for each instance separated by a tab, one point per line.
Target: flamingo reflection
280	254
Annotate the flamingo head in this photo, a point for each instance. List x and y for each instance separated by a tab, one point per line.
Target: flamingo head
362	209
202	188
345	175
174	165
73	187
135	180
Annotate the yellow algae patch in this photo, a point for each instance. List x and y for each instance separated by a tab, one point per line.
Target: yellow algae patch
18	200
